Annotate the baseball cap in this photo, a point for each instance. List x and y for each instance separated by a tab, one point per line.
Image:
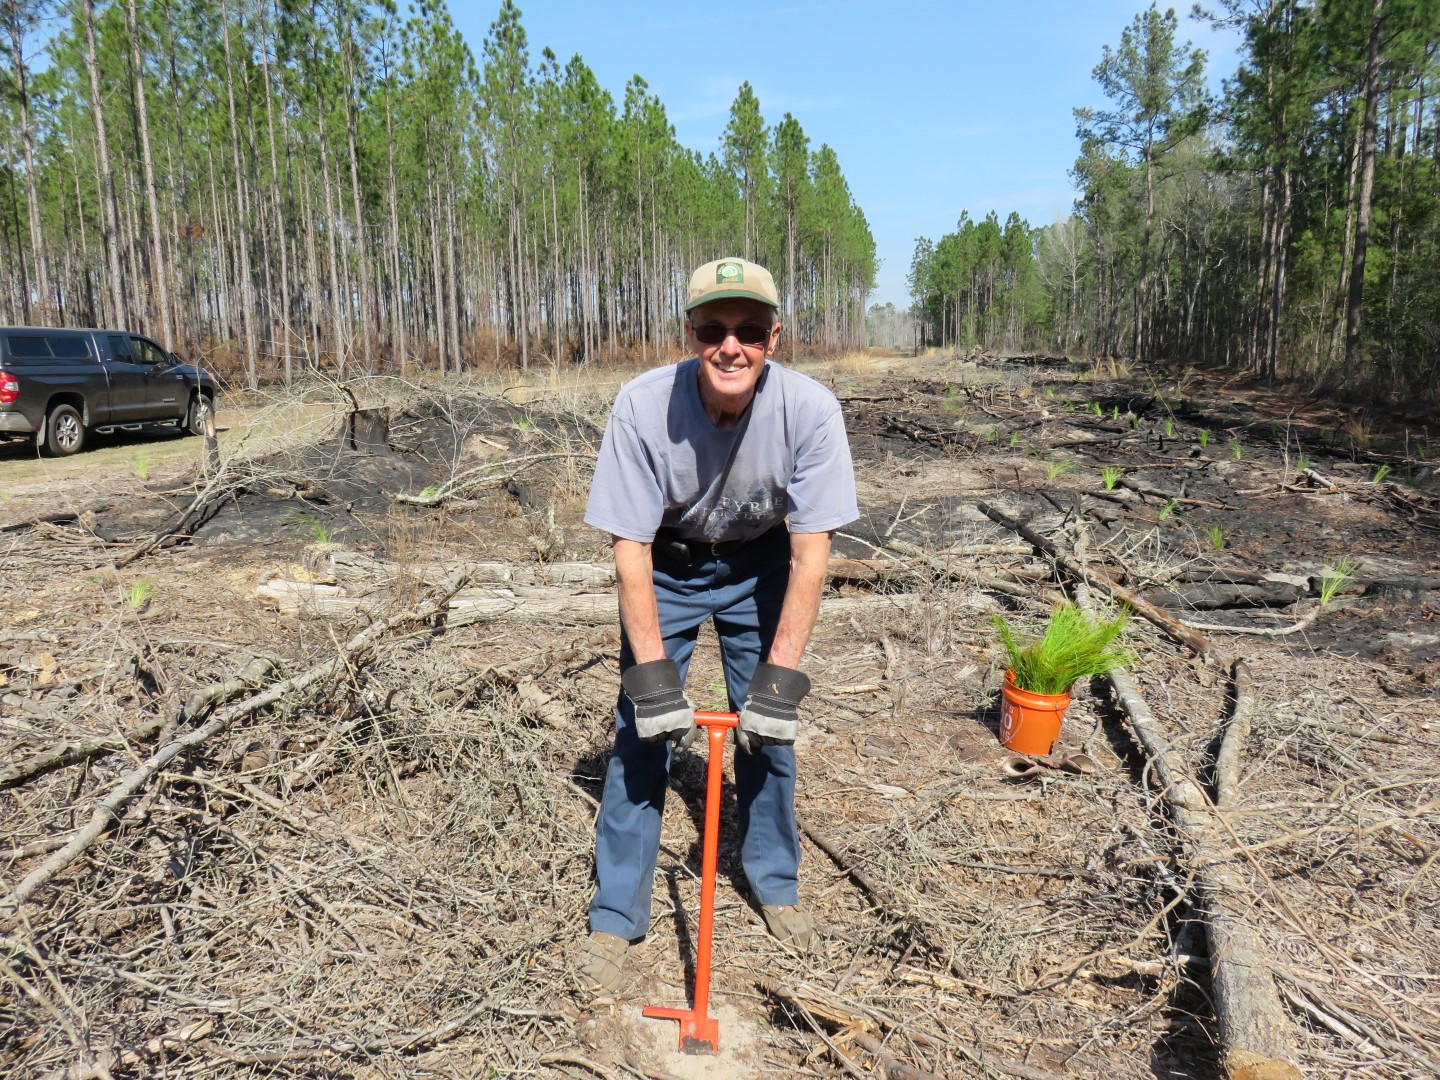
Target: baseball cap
728	279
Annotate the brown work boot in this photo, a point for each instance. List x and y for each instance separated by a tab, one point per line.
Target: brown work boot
599	964
790	925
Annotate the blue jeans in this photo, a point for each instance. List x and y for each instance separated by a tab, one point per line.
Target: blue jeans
743	592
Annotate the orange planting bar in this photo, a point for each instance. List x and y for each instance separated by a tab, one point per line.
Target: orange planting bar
699	1031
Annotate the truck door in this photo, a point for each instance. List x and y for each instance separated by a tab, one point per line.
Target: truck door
166	393
129	384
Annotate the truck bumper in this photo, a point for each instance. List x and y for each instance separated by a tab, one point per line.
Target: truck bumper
14	423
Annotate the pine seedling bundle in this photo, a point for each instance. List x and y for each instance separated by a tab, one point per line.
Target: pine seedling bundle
1072	647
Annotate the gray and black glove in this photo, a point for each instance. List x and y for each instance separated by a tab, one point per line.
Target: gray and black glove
770	713
662	711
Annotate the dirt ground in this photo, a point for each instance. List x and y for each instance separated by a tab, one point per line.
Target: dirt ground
303	743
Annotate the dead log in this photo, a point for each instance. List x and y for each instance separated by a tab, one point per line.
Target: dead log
1210	597
1258	1040
541	603
133	782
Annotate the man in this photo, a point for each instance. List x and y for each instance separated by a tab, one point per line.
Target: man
703	466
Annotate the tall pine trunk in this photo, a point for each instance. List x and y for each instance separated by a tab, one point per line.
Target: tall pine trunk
159	265
242	213
117	310
32	194
1355	309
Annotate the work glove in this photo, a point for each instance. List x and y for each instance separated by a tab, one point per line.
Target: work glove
770	713
662	711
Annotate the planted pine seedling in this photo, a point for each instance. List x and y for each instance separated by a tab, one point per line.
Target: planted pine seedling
139	593
1168	510
1333	579
1073	646
1110	476
1302	463
1381	473
1237	449
314	528
1169	429
1055	469
1204	438
1217	537
1114	412
1014	438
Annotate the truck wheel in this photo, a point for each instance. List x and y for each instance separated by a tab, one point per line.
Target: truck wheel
197	418
64	431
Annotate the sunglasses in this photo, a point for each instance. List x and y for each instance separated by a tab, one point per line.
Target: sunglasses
714	333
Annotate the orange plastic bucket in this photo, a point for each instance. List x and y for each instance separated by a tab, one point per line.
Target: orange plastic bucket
1029	722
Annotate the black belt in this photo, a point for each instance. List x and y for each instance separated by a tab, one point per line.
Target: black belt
690	550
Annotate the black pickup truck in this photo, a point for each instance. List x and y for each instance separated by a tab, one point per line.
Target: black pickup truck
56	386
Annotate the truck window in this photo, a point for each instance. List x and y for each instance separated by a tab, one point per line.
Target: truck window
70	347
29	347
120	348
148	351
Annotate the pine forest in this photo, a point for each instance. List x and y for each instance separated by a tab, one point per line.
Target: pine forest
279	187
1287	224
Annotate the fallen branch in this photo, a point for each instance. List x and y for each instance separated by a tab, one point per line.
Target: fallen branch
100	1067
204	500
1261	631
483	474
134	781
876	892
71	752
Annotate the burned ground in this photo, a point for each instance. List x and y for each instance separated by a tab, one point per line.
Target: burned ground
389	673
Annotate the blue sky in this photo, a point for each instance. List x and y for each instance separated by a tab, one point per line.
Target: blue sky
933	107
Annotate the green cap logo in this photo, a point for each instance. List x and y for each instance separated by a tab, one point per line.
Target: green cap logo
728	273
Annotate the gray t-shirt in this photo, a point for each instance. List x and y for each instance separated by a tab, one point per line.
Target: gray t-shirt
664	464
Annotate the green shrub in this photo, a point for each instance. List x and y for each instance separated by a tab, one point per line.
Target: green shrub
1073	646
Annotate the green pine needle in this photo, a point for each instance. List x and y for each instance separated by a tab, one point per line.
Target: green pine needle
1072	647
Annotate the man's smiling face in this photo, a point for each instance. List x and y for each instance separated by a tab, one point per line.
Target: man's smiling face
730	368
